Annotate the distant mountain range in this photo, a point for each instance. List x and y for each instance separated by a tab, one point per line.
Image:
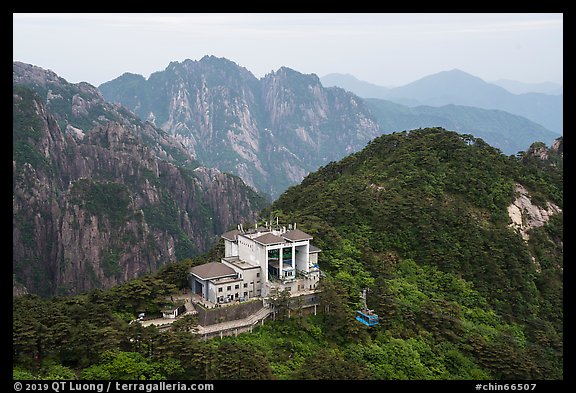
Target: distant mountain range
509	133
460	88
351	83
273	131
516	87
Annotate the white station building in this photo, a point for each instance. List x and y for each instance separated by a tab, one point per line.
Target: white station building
257	263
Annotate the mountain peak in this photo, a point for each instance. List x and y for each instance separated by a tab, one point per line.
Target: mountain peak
23	72
458	71
291	74
129	76
209	64
461	88
214	60
455	75
270	131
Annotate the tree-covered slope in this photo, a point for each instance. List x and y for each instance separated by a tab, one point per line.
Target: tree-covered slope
421	218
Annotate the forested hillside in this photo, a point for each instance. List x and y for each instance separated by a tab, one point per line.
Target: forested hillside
421	219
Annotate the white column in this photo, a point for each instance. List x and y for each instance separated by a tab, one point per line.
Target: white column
264	269
281	261
307	258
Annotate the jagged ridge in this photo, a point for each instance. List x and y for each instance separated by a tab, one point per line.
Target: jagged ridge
270	131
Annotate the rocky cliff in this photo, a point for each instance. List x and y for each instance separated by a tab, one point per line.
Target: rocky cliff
270	131
528	211
525	215
99	196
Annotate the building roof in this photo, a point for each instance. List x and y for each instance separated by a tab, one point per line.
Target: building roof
231	235
225	280
239	263
269	238
313	249
296	235
212	270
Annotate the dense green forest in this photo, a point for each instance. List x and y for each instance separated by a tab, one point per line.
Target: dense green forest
419	218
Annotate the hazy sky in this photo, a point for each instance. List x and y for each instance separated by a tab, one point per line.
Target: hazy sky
386	49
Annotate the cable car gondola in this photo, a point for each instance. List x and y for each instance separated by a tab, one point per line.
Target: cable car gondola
366	316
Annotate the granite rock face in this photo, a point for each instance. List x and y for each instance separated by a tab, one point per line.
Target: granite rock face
99	196
271	131
525	215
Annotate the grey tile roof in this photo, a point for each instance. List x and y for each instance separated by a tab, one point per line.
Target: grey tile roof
231	235
212	270
296	235
313	249
269	238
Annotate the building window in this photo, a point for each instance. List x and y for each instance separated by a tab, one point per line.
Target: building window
220	289
257	274
245	285
245	294
229	288
236	286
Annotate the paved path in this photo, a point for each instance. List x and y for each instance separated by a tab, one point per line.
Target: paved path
211	330
165	322
239	323
215	328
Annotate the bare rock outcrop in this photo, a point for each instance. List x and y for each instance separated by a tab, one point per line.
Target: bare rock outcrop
526	215
271	131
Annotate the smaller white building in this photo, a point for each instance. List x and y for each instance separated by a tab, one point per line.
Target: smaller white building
257	263
216	282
